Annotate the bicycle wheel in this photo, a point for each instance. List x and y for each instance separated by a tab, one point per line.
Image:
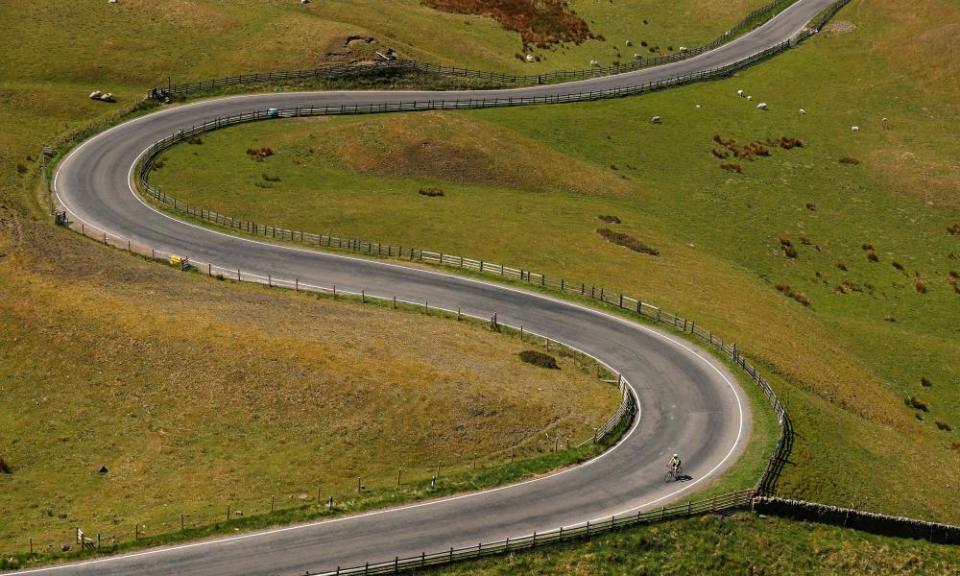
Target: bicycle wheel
668	477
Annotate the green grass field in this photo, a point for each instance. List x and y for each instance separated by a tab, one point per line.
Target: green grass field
525	186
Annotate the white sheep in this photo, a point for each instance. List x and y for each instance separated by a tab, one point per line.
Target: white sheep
594	63
698	106
802	111
740	93
855	128
749	97
108	97
656	120
529	58
629	42
683	48
95	95
762	106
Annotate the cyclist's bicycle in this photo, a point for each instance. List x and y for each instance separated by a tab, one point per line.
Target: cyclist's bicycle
674	473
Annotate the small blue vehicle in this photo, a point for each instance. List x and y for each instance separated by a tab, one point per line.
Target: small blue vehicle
273	112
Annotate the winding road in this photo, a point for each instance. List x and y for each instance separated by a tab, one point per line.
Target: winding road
689	402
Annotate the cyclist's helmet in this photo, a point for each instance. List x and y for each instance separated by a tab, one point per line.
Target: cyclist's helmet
676	455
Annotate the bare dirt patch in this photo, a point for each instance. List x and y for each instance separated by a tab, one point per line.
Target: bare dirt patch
539	22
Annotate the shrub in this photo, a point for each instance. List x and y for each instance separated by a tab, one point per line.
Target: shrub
720	153
899	266
925	382
866	247
849	160
21	168
431	192
811	207
609	219
731	167
917	404
872	256
539	359
268	178
195	140
841	266
944	426
4	467
954	229
805	241
789	251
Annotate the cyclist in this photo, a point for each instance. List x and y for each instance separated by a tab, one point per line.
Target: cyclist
675	465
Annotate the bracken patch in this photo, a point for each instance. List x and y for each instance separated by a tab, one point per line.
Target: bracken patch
627	241
540	359
539	22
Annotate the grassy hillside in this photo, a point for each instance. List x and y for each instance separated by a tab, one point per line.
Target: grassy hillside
739	544
833	263
196	394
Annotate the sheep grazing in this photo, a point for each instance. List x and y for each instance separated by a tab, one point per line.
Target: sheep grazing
304	1
762	106
683	49
113	1
656	120
108	97
594	63
95	95
698	106
854	128
629	42
529	58
749	97
740	93
802	111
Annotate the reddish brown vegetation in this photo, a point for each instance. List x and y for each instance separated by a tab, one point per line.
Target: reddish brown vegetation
788	248
430	192
954	229
627	241
749	151
846	287
925	382
609	219
731	167
539	359
539	22
811	207
798	296
841	266
849	160
259	154
944	426
917	404
920	284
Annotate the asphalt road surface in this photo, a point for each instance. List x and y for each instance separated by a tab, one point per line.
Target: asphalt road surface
689	403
